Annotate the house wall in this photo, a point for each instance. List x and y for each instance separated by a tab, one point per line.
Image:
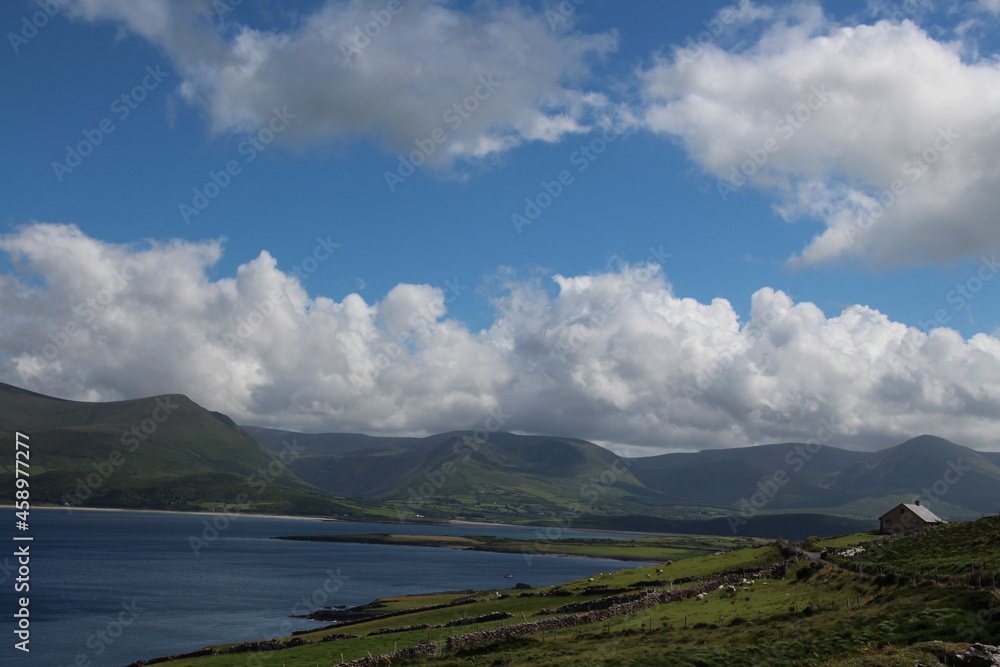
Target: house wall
899	519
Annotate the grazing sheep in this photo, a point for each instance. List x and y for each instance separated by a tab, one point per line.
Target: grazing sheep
700	596
658	571
590	578
730	589
721	587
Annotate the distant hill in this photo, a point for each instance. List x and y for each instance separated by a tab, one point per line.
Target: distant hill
159	452
724	476
509	477
168	452
957	482
953	479
515	477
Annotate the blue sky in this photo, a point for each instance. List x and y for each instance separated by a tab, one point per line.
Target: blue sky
200	83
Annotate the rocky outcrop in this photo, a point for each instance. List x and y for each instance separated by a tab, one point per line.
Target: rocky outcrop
977	655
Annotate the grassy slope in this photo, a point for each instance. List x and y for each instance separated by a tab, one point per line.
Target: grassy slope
814	616
957	548
193	459
500	482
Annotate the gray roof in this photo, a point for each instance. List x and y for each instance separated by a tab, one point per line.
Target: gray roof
924	513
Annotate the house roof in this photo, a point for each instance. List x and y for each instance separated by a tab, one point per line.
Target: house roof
922	512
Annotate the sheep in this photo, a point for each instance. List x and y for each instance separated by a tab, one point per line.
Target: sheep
590	578
730	589
700	596
659	571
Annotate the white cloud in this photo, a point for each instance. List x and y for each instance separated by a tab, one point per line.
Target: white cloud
490	78
889	105
616	357
990	6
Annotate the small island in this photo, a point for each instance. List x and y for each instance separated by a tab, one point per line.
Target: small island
643	549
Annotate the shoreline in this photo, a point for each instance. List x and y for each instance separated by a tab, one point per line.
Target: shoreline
458	523
297	517
387	540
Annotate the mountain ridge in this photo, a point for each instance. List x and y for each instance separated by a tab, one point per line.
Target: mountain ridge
508	477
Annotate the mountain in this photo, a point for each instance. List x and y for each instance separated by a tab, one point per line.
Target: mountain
952	478
724	476
958	482
168	452
514	476
157	452
509	477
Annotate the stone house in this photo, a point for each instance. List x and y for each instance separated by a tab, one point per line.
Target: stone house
906	516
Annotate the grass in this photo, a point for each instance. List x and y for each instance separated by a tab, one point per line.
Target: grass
815	615
951	549
639	548
845	541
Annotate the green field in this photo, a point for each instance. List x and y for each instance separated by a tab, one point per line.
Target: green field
810	614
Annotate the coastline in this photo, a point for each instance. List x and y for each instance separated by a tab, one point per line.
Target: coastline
518	546
442	522
204	513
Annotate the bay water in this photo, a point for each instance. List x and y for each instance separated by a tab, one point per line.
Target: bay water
108	588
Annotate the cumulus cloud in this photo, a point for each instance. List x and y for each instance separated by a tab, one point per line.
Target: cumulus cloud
616	357
489	78
886	135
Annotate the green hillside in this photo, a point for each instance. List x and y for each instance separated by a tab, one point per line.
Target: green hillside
965	549
470	479
792	613
163	452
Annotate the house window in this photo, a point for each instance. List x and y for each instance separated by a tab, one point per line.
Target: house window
888	524
915	525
